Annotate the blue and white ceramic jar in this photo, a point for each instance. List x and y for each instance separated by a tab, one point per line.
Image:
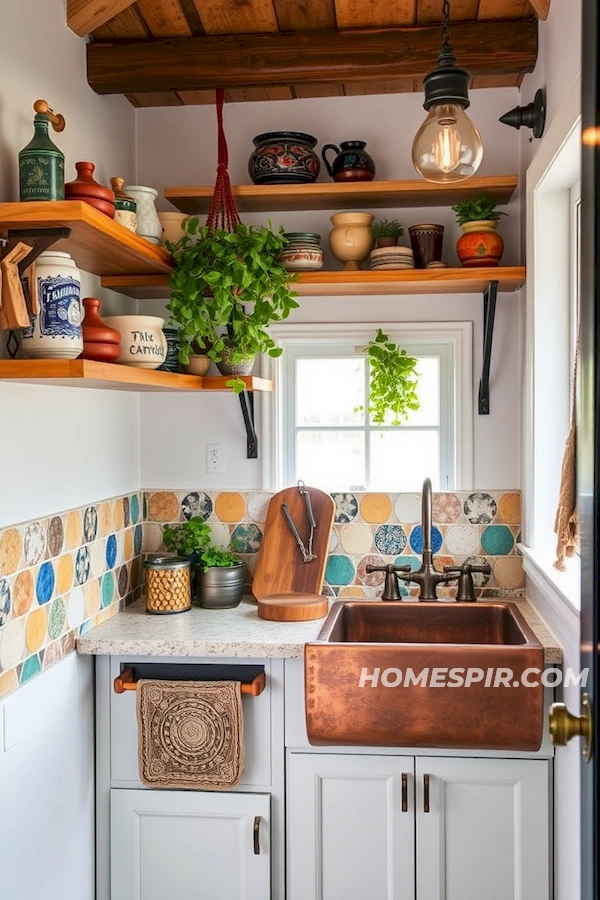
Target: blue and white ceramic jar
55	332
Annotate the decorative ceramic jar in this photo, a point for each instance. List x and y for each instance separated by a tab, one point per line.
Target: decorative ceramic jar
199	364
172	224
284	157
479	245
55	332
125	206
143	343
171	363
302	252
41	165
86	188
352	163
426	242
99	341
351	239
148	223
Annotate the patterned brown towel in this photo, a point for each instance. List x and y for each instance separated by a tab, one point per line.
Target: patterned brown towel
190	734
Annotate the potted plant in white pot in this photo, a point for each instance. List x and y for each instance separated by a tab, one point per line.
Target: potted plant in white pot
219	574
479	245
227	288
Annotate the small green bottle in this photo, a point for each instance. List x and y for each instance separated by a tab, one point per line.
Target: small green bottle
41	163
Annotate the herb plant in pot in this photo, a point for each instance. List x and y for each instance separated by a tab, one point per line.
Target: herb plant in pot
393	381
227	288
219	574
479	245
386	232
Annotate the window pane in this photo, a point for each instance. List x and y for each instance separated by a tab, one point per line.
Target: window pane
428	391
401	460
328	390
331	460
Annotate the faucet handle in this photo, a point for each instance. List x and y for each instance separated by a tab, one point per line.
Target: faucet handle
391	591
464	573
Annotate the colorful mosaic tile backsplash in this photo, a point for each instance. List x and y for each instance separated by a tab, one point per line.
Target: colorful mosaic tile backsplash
368	528
60	576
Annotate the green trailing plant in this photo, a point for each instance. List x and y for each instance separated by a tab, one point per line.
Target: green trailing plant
227	288
479	209
393	381
383	228
194	539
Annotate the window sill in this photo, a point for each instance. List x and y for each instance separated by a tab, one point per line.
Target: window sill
565	586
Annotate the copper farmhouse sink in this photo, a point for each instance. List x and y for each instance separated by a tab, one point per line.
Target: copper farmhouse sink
445	675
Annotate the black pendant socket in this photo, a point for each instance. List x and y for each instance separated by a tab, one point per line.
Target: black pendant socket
531	116
446	84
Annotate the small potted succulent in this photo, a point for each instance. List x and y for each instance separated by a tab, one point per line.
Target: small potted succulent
219	574
386	232
479	245
393	381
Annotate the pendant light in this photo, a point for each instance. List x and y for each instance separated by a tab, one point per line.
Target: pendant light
447	147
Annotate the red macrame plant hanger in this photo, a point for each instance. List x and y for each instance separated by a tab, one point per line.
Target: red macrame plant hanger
223	214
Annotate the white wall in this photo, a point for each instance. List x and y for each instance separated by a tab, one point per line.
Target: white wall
47	785
177	146
60	448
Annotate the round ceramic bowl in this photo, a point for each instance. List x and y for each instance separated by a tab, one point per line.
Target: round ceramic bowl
143	343
199	364
302	259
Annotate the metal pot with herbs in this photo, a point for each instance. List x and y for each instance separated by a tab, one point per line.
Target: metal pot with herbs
219	573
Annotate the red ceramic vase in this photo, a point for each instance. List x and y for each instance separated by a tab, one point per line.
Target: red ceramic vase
100	342
86	188
479	245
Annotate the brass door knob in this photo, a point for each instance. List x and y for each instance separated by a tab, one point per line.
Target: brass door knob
564	726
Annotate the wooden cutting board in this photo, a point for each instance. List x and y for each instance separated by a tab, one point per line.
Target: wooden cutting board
280	568
293	607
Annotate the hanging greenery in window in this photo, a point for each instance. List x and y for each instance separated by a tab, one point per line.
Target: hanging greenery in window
393	381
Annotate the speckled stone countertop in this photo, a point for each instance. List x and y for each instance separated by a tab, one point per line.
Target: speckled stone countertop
233	632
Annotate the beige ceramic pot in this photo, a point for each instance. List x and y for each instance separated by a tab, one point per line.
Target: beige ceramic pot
143	343
172	226
199	364
351	239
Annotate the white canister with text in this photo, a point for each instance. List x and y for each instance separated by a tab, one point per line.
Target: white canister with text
55	332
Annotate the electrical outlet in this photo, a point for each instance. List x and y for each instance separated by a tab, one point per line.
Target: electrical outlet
215	460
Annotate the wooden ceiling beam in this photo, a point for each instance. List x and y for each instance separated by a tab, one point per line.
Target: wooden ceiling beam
83	16
247	60
541	8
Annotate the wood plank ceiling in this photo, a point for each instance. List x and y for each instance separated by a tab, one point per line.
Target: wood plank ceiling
113	22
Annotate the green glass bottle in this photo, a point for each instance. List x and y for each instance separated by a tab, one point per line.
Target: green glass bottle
41	165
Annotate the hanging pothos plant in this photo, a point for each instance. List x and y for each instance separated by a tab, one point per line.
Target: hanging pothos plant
393	381
227	288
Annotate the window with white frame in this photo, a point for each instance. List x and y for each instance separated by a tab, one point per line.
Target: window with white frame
325	434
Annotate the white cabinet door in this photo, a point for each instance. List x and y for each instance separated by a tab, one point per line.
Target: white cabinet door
189	845
486	834
348	835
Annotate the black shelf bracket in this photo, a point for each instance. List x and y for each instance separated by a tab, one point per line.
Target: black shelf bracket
40	238
489	314
247	404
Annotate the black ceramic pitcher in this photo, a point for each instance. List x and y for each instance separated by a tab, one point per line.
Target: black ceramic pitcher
352	163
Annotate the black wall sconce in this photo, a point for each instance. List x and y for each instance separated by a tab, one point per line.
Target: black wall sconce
531	116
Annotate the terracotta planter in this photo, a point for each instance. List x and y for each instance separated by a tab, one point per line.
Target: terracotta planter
199	364
351	240
479	244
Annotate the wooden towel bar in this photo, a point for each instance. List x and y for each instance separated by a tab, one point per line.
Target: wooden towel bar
126	682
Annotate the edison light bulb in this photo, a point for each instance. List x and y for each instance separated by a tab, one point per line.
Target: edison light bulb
447	146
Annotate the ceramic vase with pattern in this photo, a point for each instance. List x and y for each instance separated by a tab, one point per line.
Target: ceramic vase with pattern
479	245
55	332
148	224
284	157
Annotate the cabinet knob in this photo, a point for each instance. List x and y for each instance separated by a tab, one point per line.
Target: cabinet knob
564	726
256	835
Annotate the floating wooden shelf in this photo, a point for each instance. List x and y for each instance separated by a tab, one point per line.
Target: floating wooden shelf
330	284
333	195
96	243
110	376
